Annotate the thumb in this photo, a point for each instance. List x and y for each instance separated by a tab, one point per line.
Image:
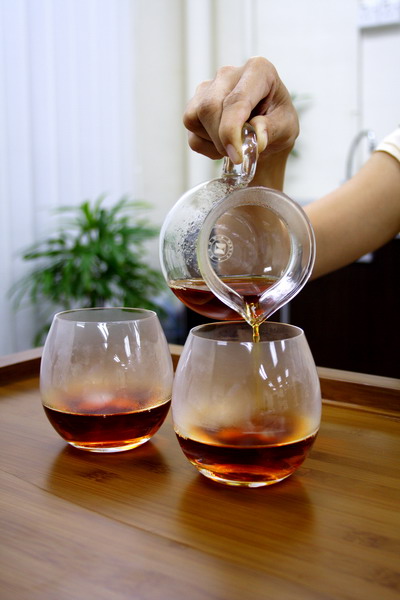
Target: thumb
276	131
260	126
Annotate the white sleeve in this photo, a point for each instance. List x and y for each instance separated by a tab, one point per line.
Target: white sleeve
391	144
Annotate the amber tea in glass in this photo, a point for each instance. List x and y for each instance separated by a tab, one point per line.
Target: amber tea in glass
106	377
246	413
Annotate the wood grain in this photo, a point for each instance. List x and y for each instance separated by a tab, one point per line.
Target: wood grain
143	524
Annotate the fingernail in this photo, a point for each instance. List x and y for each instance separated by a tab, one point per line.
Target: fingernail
233	154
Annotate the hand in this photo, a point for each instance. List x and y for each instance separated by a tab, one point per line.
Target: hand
253	93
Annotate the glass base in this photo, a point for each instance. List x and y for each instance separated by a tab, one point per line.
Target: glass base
239	483
107	448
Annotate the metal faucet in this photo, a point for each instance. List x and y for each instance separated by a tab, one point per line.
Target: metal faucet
371	137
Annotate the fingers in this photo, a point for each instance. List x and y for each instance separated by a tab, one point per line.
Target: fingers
203	146
255	84
203	113
219	108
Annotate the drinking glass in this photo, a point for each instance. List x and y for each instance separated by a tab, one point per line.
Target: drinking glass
246	413
106	377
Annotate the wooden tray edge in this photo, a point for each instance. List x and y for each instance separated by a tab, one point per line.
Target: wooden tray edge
366	391
20	365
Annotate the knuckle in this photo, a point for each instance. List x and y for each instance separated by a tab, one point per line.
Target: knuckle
202	86
260	63
226	71
265	70
190	120
208	106
237	97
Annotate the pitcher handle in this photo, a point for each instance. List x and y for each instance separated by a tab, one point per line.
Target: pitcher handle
244	172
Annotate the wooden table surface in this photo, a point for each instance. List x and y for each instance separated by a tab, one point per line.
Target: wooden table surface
144	525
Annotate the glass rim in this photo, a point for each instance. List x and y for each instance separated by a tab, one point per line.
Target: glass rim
142	313
296	331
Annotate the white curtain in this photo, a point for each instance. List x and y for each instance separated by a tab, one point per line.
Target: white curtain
66	122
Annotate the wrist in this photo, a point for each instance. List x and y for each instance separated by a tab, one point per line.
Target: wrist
271	170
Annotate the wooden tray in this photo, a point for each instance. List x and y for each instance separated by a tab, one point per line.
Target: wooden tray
144	525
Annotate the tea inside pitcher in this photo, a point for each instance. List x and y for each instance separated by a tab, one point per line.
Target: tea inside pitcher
195	294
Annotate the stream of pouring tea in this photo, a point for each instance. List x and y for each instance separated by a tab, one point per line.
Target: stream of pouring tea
256	332
252	309
251	318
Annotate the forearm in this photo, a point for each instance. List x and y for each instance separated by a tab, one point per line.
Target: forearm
359	217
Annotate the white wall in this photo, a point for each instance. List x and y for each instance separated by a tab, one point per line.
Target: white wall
92	94
315	51
380	79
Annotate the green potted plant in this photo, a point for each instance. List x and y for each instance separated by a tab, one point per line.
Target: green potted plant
95	258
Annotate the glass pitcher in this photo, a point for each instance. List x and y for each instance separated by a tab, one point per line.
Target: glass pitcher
233	252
